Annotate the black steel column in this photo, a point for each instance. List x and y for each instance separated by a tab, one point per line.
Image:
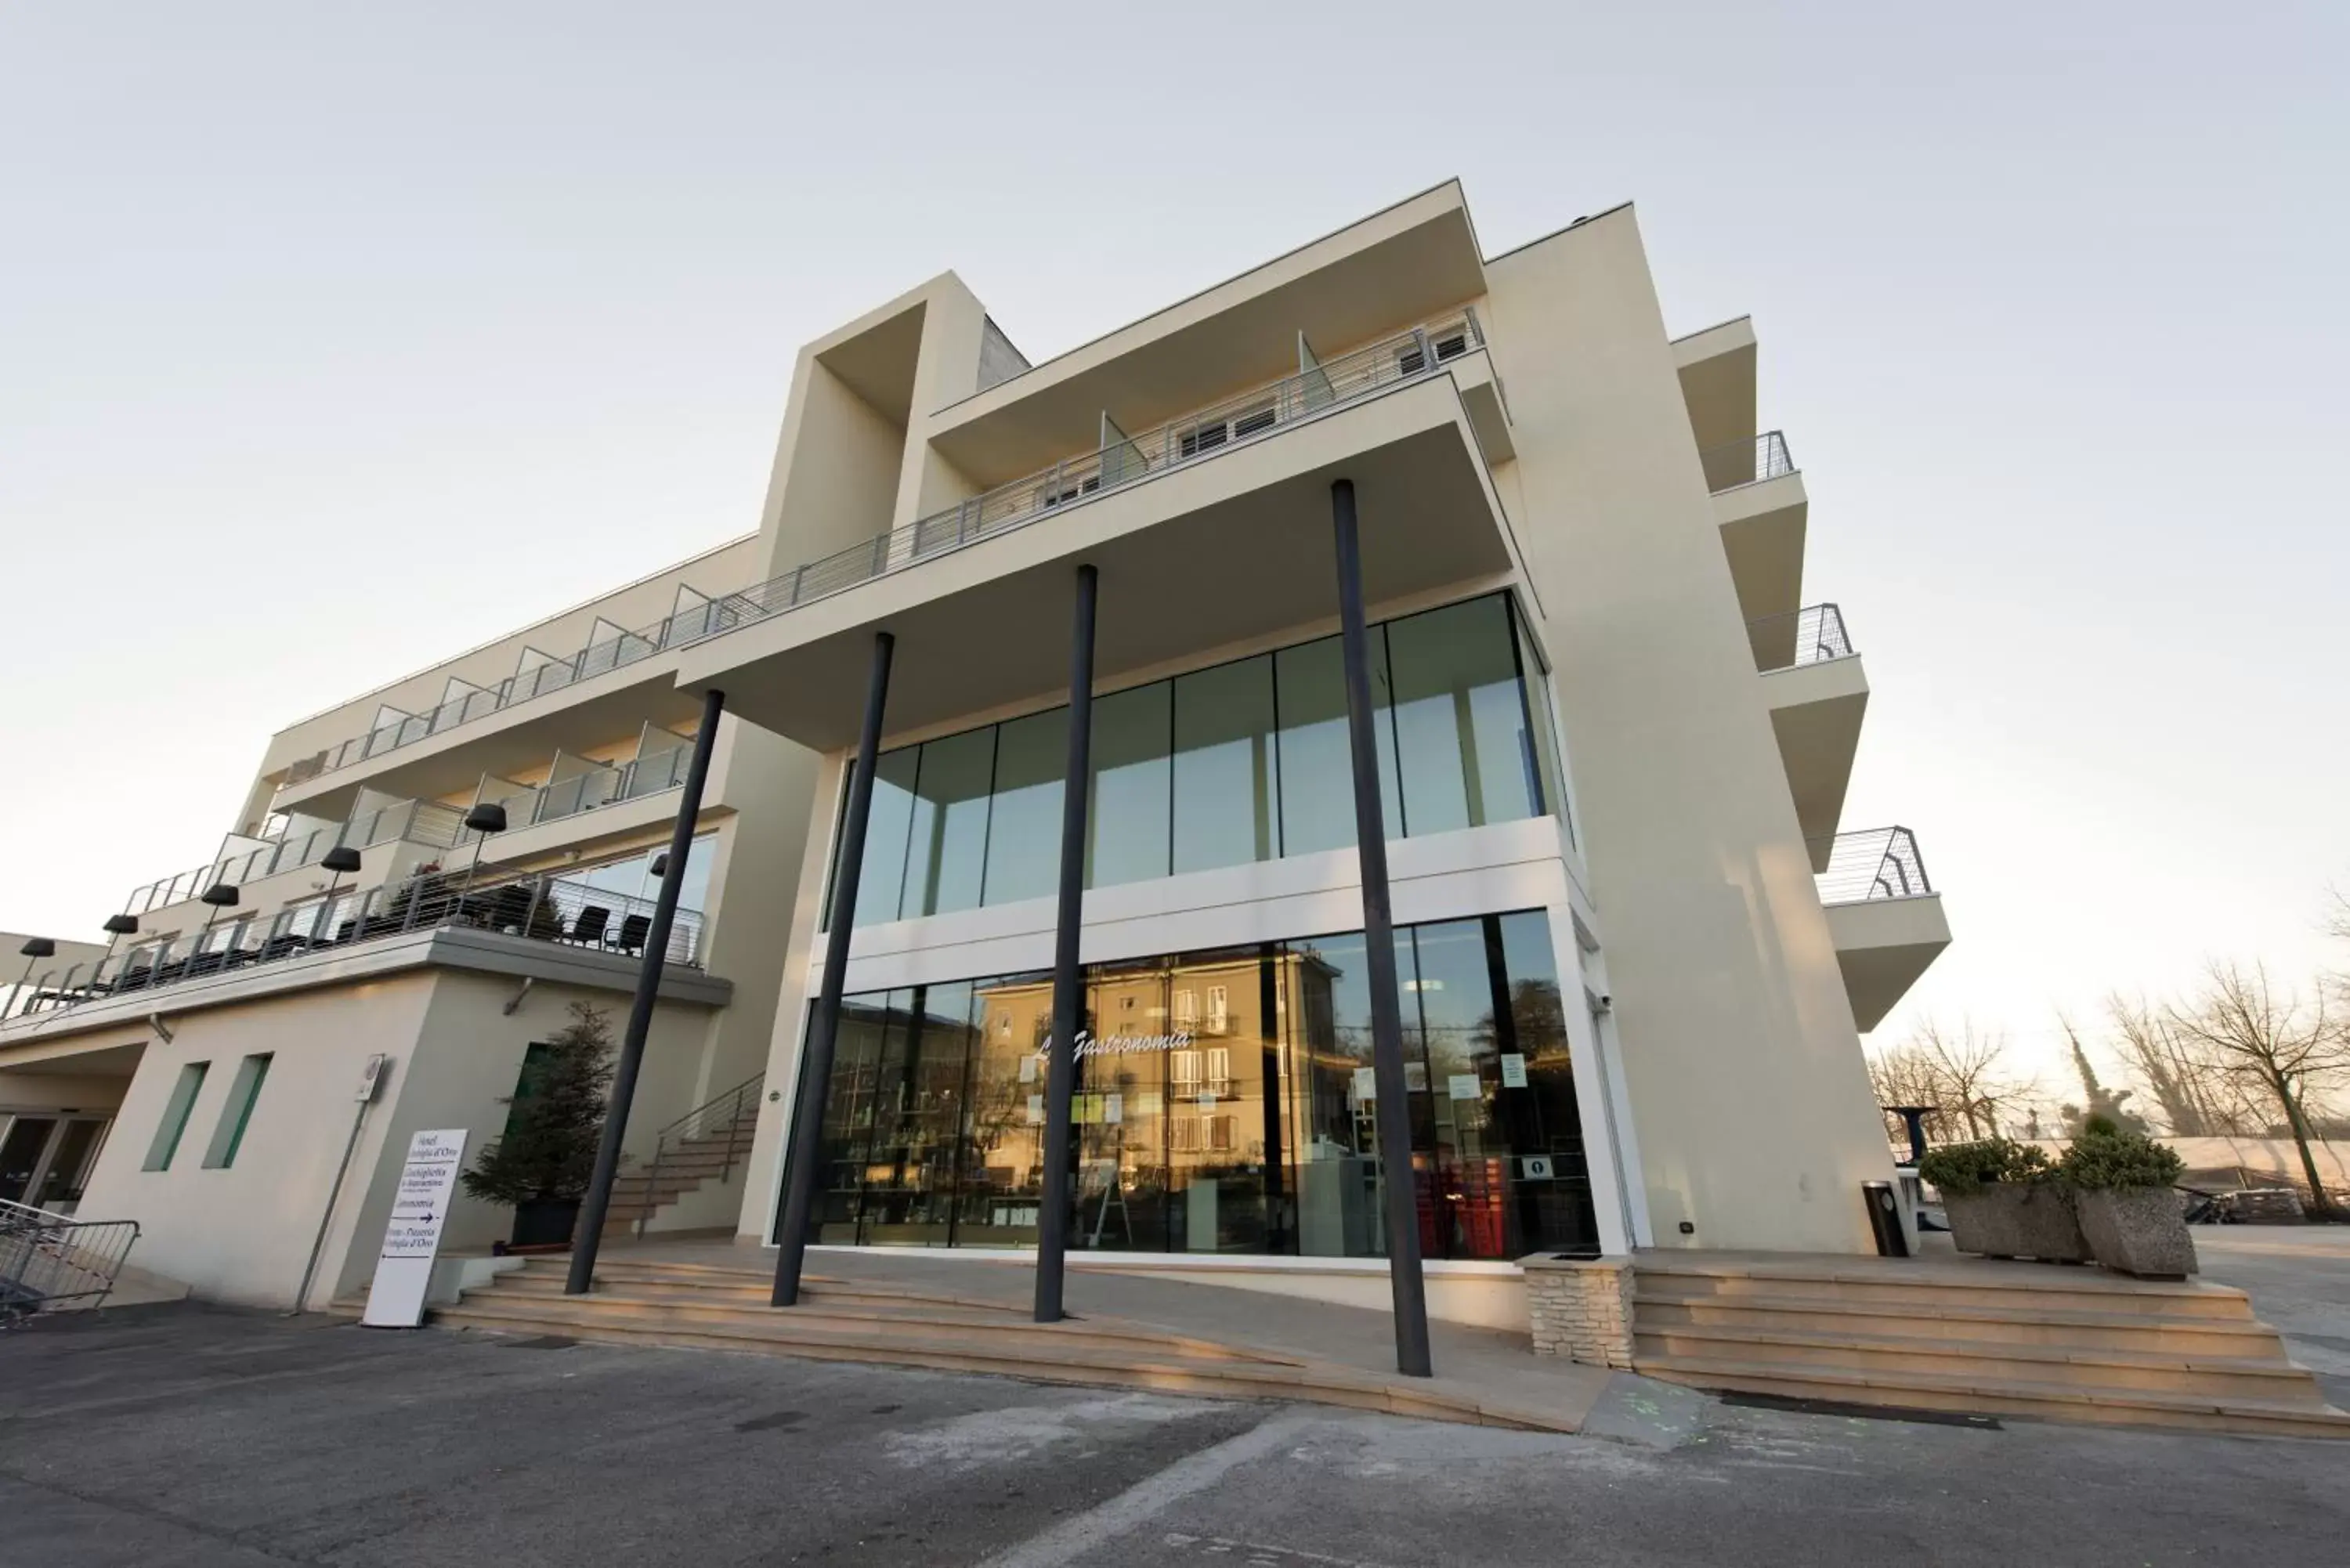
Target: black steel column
1405	1284
802	1157
1068	982
587	1231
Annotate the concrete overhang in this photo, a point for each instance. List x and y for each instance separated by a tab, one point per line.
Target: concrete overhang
1403	265
597	712
53	1034
1883	945
1816	710
1762	528
1214	553
1717	376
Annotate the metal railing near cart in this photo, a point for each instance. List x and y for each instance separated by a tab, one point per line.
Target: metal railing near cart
1808	636
51	1261
543	909
1234	422
1746	462
1879	862
712	1119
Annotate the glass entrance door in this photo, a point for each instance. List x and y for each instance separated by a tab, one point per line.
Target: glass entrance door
23	1154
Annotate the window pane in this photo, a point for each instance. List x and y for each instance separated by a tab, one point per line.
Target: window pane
1329	1002
948	850
910	1167
1023	830
848	1115
1459	720
1317	789
243	1091
1467	1208
1548	769
891	819
175	1116
1129	818
1225	772
1555	1211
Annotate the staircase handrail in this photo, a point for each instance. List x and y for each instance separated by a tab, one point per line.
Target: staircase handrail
696	1123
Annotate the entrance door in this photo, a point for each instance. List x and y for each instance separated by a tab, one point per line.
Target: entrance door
23	1154
57	1186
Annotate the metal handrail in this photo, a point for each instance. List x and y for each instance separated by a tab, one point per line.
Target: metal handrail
48	1259
1232	422
546	908
726	1109
1746	462
1879	862
412	821
1818	632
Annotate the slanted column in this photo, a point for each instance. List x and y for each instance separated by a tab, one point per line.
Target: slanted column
801	1154
1068	981
1407	1288
587	1233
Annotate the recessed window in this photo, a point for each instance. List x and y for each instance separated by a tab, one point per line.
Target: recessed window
229	1135
175	1116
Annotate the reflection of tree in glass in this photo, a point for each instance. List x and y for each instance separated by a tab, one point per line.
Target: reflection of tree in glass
1538	1018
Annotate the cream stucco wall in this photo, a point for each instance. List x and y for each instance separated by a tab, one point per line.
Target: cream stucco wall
1745	1079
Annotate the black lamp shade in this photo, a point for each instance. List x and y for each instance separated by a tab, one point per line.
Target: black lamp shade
121	925
661	864
38	947
220	896
341	858
489	817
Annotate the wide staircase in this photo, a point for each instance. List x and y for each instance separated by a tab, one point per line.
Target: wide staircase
654	1301
707	1144
2021	1339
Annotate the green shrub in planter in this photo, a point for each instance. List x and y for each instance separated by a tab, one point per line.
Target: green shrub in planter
2121	1184
2003	1201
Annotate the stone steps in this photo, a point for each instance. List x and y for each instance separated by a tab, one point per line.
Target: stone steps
2054	1344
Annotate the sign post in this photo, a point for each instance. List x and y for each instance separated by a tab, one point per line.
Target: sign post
403	1269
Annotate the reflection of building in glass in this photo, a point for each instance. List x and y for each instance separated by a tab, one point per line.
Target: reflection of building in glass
1240	1121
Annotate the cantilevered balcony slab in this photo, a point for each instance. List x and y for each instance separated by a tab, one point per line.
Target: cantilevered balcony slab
1882	947
1816	710
585	714
1403	264
1208	553
1763	526
1717	377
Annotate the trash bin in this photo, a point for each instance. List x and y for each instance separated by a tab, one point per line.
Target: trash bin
1885	1219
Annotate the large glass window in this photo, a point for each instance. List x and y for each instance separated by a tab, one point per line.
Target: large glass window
1225	1101
1237	764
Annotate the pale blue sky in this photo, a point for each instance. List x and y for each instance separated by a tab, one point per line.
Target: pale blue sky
317	322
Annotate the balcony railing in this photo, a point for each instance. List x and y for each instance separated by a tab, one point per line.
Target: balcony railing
416	821
1746	462
1881	863
591	789
1231	423
1808	636
542	907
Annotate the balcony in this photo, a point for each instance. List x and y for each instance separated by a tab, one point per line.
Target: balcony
1884	914
579	785
1818	695
539	909
406	821
1760	503
1248	476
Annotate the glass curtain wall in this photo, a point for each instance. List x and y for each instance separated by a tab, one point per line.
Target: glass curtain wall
1225	1103
1240	763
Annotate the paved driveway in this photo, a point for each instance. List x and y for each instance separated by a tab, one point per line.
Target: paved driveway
185	1436
2299	1277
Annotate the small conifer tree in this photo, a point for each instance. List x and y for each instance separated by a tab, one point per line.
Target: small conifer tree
548	1151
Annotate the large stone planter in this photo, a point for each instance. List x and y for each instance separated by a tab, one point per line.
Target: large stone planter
2016	1220
2137	1231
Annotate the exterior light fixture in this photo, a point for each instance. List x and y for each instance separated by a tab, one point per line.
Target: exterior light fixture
483	818
122	925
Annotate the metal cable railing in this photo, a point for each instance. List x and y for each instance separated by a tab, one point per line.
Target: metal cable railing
530	805
1880	863
719	1122
415	821
49	1261
1229	424
1807	636
545	908
1746	462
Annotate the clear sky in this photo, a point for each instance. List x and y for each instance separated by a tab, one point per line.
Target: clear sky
322	326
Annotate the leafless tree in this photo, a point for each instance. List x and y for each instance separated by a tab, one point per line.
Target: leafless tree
2279	1044
1960	1072
2194	1089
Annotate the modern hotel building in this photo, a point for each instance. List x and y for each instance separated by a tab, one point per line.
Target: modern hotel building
1635	942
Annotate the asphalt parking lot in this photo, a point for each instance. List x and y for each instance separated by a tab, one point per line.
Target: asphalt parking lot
185	1435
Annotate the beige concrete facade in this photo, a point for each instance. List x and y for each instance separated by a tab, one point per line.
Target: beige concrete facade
1520	425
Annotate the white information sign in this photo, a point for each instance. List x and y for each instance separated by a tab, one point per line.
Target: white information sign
1462	1086
1367	1084
1514	1070
403	1269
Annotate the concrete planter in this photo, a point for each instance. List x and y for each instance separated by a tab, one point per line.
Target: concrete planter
2016	1220
2138	1230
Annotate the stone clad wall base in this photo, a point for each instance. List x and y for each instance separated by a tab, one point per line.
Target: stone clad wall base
1580	1308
